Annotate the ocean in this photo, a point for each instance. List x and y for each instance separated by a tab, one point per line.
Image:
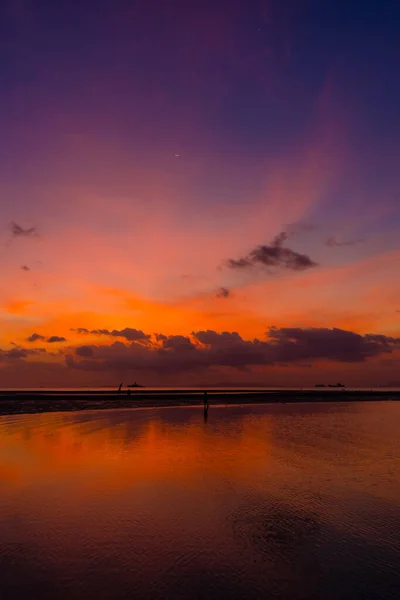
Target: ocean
291	501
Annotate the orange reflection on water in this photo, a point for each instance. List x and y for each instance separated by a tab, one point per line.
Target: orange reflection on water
117	449
141	494
70	457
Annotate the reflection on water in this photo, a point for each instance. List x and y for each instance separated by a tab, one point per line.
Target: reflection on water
288	501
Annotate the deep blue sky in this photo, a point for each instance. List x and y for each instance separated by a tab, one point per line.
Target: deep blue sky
250	72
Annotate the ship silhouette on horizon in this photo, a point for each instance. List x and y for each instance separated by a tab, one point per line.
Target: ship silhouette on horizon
135	385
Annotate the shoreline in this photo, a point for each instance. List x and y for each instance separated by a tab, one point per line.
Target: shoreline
21	402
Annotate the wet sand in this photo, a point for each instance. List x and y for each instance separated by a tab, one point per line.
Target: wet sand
26	402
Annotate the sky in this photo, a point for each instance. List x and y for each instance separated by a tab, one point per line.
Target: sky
199	192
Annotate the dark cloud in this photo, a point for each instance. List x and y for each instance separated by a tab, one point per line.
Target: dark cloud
203	349
55	338
178	343
277	256
321	343
280	239
212	338
35	337
177	354
84	351
18	353
274	256
25	268
18	231
230	349
132	335
223	292
160	337
116	357
100	332
88	365
332	241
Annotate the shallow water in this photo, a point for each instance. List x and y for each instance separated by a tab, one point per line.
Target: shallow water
277	501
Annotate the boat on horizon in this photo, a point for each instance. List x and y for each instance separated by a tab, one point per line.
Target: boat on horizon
135	385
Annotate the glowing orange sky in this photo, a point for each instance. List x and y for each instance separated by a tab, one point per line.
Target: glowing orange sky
137	191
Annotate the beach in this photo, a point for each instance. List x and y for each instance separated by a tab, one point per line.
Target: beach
39	401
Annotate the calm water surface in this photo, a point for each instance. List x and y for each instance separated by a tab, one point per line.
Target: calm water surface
280	501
